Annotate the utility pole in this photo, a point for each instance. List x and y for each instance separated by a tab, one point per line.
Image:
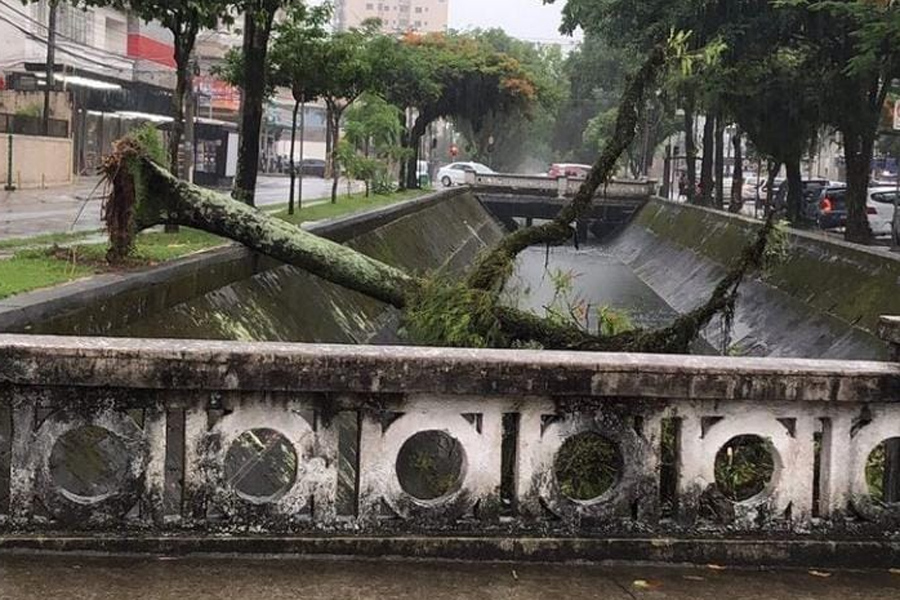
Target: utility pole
52	6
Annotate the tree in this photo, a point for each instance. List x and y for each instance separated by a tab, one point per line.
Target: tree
454	76
259	17
521	135
346	67
371	142
855	48
296	59
143	194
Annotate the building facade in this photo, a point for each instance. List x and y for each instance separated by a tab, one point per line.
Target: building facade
395	15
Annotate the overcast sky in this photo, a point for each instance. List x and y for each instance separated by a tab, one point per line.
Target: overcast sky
526	19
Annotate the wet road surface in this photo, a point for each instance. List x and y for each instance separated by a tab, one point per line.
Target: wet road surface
24	577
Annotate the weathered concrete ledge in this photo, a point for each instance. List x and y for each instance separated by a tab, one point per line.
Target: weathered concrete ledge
736	552
176	447
169	364
105	303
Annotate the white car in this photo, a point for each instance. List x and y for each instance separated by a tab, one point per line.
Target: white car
880	208
455	174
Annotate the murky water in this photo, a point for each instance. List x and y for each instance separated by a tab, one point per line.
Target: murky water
579	283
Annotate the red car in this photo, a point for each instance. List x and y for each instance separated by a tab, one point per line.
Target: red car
570	170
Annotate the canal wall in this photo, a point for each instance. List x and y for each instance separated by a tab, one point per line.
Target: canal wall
234	294
822	299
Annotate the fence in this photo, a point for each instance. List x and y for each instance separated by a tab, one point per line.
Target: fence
267	440
30	125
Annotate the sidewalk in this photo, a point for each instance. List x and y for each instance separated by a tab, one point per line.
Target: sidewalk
24	577
77	208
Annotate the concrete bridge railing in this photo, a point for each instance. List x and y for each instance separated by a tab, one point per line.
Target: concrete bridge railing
561	187
168	446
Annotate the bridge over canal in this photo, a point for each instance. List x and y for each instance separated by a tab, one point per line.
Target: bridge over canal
527	198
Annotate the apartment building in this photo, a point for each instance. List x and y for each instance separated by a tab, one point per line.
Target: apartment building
395	15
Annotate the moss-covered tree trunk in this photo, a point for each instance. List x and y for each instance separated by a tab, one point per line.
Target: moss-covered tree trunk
146	195
436	311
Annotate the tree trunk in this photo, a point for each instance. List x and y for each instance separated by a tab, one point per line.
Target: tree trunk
720	162
335	127
329	141
177	133
706	165
858	158
256	43
50	66
690	149
158	197
302	140
737	175
795	190
404	143
293	161
773	167
144	194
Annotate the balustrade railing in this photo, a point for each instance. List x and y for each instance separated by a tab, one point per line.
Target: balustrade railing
120	435
562	186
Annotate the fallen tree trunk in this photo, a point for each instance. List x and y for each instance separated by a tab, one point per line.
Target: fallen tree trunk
436	312
144	195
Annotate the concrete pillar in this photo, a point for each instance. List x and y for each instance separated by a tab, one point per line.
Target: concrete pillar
889	331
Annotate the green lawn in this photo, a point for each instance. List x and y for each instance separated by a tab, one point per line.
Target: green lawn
23	273
49	260
347	205
45	240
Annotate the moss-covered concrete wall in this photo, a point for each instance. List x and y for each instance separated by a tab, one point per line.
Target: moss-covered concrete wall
823	300
286	304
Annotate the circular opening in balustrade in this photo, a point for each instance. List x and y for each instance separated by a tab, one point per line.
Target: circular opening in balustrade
261	465
883	472
430	465
587	466
744	467
89	462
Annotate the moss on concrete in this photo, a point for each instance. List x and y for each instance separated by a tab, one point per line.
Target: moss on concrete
853	283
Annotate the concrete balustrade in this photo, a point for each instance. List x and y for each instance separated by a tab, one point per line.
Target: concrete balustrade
561	186
180	434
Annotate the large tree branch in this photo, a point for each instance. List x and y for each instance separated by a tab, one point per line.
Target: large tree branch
144	194
494	267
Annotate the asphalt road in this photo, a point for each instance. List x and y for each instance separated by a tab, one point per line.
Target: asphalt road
78	207
99	578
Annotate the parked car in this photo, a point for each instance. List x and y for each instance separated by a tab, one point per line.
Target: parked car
314	167
832	208
455	173
570	170
812	190
880	207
